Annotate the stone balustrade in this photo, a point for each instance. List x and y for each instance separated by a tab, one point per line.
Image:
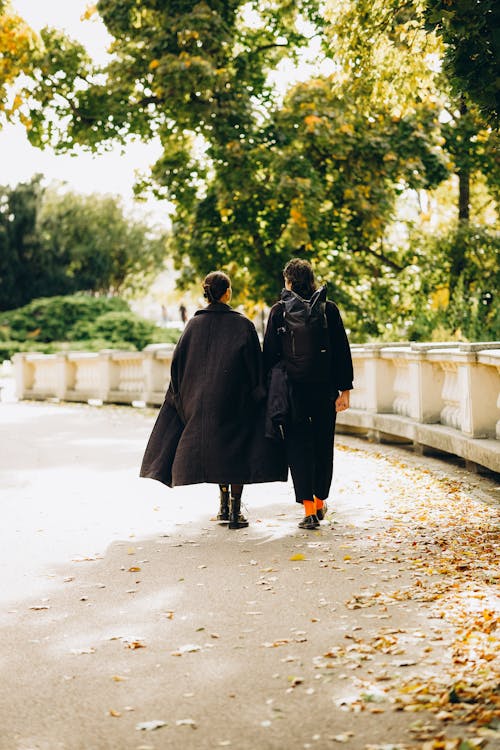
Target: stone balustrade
109	376
443	397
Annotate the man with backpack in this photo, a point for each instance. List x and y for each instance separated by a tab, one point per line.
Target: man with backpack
306	340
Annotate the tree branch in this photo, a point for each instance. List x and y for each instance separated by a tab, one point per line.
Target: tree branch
382	258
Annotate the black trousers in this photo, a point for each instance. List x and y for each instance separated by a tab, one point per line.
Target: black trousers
309	440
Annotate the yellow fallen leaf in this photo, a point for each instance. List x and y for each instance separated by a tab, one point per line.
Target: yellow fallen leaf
298	556
116	714
134	569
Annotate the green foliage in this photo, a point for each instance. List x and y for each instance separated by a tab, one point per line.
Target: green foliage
459	301
256	175
177	67
115	327
322	181
53	318
55	242
106	251
77	323
472	147
470	29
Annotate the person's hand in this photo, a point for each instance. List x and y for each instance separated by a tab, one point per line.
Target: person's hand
342	401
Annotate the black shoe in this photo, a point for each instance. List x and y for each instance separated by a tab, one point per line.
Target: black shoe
223	514
236	519
321	512
309	522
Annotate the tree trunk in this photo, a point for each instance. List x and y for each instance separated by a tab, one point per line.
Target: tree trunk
464	178
458	252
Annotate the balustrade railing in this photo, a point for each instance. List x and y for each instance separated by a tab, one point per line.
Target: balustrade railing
443	397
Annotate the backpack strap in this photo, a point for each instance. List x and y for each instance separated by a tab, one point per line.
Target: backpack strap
281	330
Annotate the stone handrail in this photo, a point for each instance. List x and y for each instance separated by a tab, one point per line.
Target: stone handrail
443	396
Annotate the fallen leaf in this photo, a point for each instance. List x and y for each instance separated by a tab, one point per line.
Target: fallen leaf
189	648
134	645
186	723
79	651
343	737
298	556
114	713
150	726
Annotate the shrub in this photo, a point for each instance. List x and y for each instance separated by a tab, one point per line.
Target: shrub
77	322
116	326
52	318
165	336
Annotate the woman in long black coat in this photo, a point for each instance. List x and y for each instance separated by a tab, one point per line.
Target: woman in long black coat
210	427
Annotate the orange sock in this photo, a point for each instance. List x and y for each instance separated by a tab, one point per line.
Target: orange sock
309	507
318	503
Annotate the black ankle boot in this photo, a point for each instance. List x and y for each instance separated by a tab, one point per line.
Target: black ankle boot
236	519
223	514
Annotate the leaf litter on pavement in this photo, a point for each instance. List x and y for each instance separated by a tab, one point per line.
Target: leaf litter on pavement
446	541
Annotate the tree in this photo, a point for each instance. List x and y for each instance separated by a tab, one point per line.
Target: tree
470	30
105	251
179	69
196	76
255	175
56	242
388	46
25	272
323	182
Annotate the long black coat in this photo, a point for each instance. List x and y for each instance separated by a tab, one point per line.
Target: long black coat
211	425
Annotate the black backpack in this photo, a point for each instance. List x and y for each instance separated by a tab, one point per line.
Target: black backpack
304	336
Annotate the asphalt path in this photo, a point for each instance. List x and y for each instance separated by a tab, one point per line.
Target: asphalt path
131	620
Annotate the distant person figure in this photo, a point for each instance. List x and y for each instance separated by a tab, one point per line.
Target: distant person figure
183	313
305	336
210	427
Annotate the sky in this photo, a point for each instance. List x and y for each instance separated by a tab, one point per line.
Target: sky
113	172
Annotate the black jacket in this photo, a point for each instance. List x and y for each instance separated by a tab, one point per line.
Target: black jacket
211	425
278	402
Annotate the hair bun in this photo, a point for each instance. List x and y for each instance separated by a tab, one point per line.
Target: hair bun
215	285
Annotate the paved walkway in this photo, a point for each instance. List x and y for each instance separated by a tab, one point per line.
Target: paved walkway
125	604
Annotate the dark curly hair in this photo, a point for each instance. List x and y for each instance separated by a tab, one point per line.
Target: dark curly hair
301	276
215	284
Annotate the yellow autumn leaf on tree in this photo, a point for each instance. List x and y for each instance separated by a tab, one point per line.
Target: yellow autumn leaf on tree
89	11
17	43
311	121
